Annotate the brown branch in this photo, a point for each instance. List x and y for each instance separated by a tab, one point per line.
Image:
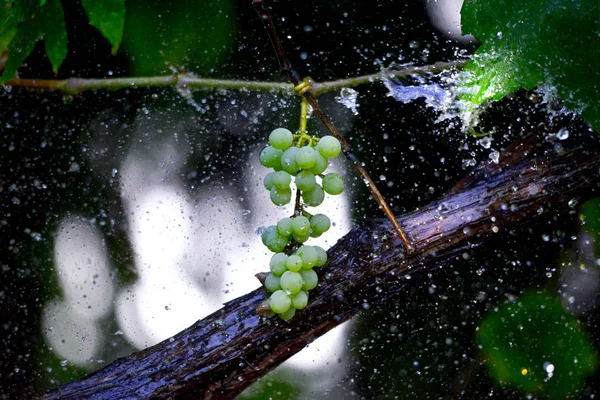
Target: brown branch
224	353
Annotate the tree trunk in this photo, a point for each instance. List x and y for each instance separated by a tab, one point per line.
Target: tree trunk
224	353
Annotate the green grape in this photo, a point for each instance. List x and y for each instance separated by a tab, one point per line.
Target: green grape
288	161
308	255
320	166
320	223
310	278
291	282
267	233
280	197
272	283
281	180
329	147
301	225
270	157
322	256
301	238
281	138
315	197
284	227
306	157
305	181
268	181
277	264
333	184
280	302
300	300
294	263
273	240
289	314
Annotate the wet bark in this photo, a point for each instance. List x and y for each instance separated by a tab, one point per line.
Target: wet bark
222	354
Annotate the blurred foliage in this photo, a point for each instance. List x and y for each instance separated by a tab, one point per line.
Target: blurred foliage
274	386
533	344
193	35
22	24
109	17
527	44
590	214
190	34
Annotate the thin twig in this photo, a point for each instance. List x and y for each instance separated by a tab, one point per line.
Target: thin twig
286	69
74	86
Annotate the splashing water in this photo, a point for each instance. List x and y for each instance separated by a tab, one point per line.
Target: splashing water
348	97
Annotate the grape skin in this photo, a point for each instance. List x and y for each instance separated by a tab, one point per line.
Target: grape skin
272	283
279	302
333	184
315	197
306	181
329	147
300	300
281	138
291	282
280	197
277	264
270	157
306	157
310	278
301	225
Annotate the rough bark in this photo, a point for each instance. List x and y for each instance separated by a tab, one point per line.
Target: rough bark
224	353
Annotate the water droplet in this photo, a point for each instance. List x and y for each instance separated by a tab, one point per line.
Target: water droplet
562	134
495	157
485	142
348	97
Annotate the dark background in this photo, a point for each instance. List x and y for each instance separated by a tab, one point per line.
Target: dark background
433	324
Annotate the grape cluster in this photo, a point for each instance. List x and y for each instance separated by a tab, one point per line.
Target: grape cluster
304	158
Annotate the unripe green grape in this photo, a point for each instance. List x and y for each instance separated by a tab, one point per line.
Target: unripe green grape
301	225
280	197
308	255
288	161
291	282
294	263
280	302
284	226
310	278
322	256
315	197
270	157
289	314
300	300
268	232
282	180
306	157
277	264
320	223
268	181
274	241
272	283
306	181
329	147
333	184
301	238
320	166
281	138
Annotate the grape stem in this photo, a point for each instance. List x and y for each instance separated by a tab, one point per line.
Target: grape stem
304	89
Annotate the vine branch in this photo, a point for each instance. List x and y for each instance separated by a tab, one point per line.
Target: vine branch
74	86
221	355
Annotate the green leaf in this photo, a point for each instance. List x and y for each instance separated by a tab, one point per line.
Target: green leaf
30	22
196	35
108	16
21	46
55	33
525	44
10	17
534	345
